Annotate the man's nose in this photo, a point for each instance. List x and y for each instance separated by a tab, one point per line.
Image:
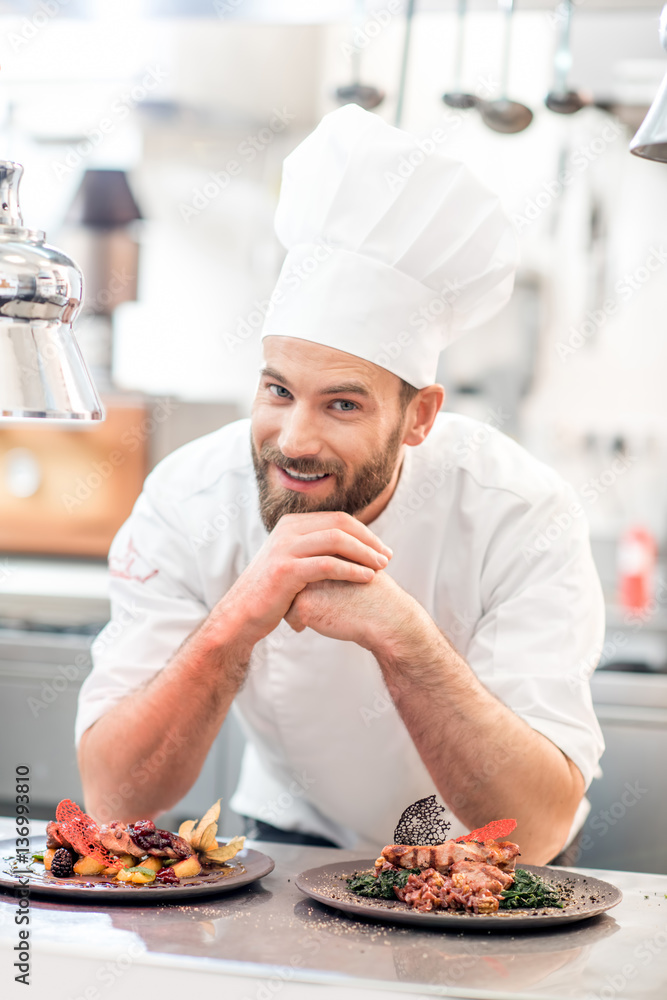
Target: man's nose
298	436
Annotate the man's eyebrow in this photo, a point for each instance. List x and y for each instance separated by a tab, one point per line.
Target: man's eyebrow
340	389
344	388
272	373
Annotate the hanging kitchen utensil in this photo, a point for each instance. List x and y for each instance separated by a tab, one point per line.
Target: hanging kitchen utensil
409	14
364	95
561	99
458	98
503	115
42	373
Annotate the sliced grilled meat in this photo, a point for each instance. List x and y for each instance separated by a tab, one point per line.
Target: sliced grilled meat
443	856
55	837
116	838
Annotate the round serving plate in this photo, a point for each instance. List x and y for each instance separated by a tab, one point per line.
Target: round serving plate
584	897
246	867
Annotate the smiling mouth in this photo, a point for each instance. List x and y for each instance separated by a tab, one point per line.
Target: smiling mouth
302	477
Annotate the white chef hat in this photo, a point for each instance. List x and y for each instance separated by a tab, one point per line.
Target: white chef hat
394	250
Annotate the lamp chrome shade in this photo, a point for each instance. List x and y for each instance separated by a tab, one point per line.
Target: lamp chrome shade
43	375
42	372
651	139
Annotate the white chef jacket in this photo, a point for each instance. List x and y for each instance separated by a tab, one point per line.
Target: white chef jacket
490	541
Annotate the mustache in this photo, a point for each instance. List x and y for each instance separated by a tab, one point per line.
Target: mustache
306	466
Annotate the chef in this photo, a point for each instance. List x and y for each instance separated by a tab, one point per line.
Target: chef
395	601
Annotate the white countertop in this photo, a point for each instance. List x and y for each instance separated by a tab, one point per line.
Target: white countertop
267	941
54	591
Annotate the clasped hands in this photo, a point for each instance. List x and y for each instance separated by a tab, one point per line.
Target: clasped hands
323	570
364	612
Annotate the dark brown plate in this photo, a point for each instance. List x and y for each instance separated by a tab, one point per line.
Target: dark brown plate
586	897
246	867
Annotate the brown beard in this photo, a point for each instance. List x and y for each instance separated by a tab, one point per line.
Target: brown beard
366	485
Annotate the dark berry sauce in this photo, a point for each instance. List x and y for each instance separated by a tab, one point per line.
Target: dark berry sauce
146	836
167	875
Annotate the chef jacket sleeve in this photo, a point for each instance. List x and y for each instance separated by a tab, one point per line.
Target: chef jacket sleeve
155	605
542	627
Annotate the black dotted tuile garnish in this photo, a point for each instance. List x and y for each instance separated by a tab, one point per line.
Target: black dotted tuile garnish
424	822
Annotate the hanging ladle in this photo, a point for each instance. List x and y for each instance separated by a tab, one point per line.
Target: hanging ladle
503	115
363	94
457	98
560	99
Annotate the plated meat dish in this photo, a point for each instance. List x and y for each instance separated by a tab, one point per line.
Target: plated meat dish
138	852
472	873
466	875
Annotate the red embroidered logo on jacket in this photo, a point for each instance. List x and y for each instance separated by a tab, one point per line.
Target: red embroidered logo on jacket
131	566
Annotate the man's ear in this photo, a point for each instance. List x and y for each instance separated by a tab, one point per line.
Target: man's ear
421	413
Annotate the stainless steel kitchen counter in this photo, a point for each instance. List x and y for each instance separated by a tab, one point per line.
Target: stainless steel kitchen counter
269	940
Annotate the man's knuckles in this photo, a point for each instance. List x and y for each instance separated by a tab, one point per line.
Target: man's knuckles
333	538
297	615
286	520
314	520
339	519
294	620
334	525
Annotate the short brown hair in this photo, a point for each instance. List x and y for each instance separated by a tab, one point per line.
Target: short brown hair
406	394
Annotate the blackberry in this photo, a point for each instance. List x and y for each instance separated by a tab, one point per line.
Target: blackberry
62	865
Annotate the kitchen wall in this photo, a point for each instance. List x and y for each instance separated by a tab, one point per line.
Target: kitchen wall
210	88
575	361
216	93
201	113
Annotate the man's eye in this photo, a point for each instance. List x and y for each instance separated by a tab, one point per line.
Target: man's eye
345	404
279	390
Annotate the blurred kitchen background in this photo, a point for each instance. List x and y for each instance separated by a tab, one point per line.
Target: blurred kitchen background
152	135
